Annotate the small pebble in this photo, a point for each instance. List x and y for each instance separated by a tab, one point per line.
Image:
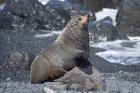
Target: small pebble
8	79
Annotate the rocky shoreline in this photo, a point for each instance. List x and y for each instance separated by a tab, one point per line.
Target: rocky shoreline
21	21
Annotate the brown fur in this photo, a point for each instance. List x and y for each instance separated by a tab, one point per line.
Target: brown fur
60	57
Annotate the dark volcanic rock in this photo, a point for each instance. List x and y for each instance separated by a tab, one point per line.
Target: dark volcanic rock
2	1
35	15
103	30
128	18
6	21
97	5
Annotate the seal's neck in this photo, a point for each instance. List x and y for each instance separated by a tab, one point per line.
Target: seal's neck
76	38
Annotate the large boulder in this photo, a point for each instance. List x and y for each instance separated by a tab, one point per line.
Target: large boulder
86	78
103	30
128	18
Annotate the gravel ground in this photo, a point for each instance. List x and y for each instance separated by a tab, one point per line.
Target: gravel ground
122	82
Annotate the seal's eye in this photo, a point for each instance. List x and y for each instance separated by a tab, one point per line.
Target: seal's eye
79	18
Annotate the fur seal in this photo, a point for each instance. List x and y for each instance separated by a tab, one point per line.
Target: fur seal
61	56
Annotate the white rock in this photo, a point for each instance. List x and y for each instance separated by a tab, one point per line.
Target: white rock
44	2
105	13
47	90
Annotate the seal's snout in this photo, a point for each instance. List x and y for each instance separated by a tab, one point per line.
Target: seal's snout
85	19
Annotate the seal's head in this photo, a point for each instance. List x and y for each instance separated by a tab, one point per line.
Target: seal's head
75	33
79	22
